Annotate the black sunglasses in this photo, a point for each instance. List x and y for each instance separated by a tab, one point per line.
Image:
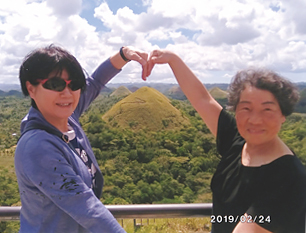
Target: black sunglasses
59	84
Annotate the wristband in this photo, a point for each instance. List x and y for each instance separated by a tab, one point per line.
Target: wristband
122	55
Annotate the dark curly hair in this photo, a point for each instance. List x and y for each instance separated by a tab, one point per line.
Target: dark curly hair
41	62
284	91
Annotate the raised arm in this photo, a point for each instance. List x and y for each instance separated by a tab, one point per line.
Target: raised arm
106	71
208	108
127	54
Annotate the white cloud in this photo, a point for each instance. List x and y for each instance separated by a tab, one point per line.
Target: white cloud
65	8
212	36
33	24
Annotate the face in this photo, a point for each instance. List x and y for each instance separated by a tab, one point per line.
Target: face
55	106
258	116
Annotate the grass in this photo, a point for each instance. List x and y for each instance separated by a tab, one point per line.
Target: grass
177	225
121	91
217	93
6	161
145	109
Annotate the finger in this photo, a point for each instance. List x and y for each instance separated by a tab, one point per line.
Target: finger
152	60
144	62
150	67
154	53
140	57
144	74
147	71
157	57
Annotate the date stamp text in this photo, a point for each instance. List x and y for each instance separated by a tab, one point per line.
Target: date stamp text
240	218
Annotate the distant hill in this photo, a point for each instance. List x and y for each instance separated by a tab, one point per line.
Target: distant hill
11	93
107	90
301	85
176	92
133	88
220	95
8	87
146	108
301	105
121	91
217	93
164	88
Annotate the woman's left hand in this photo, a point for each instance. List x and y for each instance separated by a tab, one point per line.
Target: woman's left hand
134	55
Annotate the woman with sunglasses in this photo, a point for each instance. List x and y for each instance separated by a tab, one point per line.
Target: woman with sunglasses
259	185
59	179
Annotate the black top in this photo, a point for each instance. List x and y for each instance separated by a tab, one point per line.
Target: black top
274	195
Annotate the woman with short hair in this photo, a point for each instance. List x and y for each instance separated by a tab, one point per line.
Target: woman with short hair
59	179
259	184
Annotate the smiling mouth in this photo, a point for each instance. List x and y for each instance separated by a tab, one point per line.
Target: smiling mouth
64	104
255	131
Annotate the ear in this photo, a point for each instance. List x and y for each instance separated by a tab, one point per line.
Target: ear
283	119
31	89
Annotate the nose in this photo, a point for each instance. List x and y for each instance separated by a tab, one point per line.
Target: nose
255	118
67	91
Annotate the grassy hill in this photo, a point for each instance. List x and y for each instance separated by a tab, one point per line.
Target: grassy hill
121	91
176	92
146	108
218	93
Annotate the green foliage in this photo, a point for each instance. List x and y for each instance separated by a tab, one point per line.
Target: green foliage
9	227
172	225
166	166
13	109
293	133
301	105
9	193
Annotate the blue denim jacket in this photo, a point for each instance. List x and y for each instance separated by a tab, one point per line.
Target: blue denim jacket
54	183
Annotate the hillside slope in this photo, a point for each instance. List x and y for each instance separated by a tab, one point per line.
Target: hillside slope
176	92
146	108
218	93
121	91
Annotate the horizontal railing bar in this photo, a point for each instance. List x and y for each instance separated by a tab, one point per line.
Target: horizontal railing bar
160	210
10	213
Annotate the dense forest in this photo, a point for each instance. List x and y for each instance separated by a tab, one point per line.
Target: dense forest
140	165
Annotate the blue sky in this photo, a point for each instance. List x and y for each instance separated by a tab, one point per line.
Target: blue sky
89	10
216	38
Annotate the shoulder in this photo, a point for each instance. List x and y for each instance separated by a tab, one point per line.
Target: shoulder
37	138
288	165
296	173
285	177
227	135
36	145
226	124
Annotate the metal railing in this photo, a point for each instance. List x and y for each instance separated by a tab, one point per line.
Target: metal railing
135	211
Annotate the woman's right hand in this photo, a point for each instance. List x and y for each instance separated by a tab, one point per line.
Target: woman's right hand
160	57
